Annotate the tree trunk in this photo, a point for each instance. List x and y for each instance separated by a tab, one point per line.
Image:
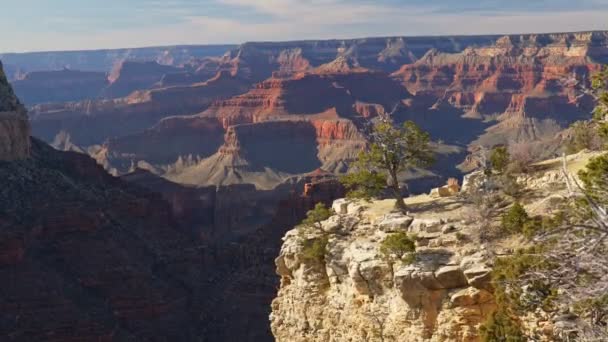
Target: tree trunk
399	202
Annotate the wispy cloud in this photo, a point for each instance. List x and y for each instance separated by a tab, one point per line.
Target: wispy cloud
77	24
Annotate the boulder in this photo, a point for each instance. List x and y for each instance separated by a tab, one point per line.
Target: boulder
450	228
479	276
471	297
332	224
441	192
395	222
340	206
451	277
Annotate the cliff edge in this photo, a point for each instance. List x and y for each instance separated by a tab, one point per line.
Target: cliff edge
14	125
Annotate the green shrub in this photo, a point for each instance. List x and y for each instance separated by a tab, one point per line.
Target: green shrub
509	185
539	225
595	179
409	258
314	250
499	159
584	136
319	214
398	244
507	279
461	237
514	220
594	308
501	327
364	184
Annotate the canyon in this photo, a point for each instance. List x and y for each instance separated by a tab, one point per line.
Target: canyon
70	232
469	92
175	173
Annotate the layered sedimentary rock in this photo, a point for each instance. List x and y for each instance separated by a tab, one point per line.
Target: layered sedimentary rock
93	121
86	256
521	81
283	127
104	60
330	93
359	288
267	153
14	125
260	60
355	293
169	144
466	91
129	76
59	86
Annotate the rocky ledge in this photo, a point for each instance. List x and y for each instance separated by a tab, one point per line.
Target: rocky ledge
356	292
14	126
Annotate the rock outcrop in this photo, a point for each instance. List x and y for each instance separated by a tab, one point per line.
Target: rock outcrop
92	122
343	280
59	86
105	60
355	292
466	91
128	76
267	153
14	125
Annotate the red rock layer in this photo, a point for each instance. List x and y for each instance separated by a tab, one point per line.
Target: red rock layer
308	94
92	122
163	144
492	79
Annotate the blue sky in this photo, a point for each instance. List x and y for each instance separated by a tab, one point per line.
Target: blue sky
35	25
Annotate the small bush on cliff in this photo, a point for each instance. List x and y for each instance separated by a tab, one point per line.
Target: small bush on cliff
364	184
593	309
584	136
500	327
600	92
392	150
595	179
499	159
314	250
398	244
508	280
514	220
319	214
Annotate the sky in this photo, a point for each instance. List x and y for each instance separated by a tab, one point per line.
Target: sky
47	25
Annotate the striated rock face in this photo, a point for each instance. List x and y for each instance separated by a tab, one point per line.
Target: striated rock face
104	60
169	144
357	288
258	61
128	76
518	83
59	86
267	153
308	94
92	122
356	293
466	91
14	125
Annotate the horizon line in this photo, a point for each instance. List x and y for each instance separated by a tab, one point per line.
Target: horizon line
302	41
